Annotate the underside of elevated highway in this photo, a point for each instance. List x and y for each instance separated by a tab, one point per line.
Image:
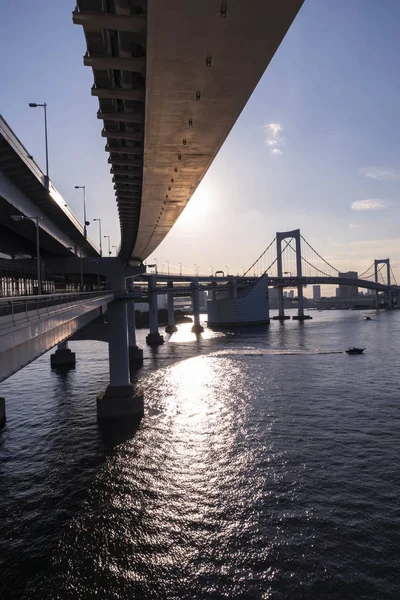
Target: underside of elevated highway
172	77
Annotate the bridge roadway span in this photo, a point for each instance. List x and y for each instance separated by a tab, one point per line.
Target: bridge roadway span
32	325
183	284
172	77
25	190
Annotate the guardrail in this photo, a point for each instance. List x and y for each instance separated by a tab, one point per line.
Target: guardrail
26	304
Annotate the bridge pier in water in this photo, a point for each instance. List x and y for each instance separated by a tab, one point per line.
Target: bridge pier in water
171	327
63	357
135	353
197	327
153	338
119	399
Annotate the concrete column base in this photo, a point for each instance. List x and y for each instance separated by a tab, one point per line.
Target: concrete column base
281	318
135	355
197	329
301	317
171	329
119	402
63	358
154	339
2	412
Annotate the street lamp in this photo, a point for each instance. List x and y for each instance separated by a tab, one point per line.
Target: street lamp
212	270
227	270
162	268
35	105
155	262
101	248
86	223
108	237
180	269
195	269
168	267
287	273
36	221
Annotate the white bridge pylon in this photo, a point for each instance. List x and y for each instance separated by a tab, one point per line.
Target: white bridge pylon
280	236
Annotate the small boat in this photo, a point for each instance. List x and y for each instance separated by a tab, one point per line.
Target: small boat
354	350
367	318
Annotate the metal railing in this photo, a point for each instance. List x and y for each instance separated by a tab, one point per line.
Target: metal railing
26	304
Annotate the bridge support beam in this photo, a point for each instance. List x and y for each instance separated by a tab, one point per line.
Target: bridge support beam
153	338
63	357
171	327
135	353
197	327
119	400
2	412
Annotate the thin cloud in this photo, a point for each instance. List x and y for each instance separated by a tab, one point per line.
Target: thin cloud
380	173
370	204
353	226
273	138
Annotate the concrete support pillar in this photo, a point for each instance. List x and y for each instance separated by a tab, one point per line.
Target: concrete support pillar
281	313
2	412
300	309
376	262
197	328
281	310
153	338
135	353
234	288
300	298
119	399
171	327
63	357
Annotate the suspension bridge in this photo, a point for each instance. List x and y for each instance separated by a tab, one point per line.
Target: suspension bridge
291	261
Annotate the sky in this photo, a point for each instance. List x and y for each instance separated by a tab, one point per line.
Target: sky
317	146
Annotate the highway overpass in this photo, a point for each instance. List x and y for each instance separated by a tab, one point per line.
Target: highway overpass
172	77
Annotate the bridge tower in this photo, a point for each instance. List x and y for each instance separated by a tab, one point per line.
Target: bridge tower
384	261
280	236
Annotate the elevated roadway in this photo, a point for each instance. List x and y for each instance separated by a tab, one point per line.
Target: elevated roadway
172	77
25	190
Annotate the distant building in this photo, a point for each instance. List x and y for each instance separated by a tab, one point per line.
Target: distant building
291	294
348	291
285	294
316	292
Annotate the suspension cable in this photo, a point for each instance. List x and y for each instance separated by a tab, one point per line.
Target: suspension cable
319	256
311	265
282	251
366	271
261	255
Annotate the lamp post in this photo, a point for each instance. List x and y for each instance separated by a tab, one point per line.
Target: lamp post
162	268
168	267
227	270
86	223
155	262
195	269
116	247
101	248
38	270
109	250
212	270
44	105
180	269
